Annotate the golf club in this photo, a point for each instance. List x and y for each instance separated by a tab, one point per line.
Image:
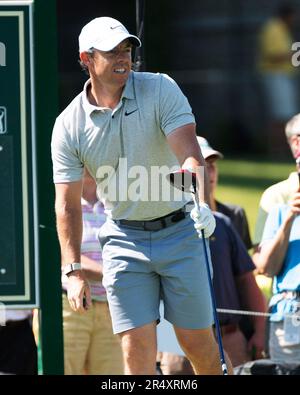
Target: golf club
187	182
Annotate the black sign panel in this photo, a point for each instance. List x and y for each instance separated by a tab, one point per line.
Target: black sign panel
18	220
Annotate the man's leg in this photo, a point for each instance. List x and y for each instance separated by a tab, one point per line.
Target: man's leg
174	364
202	350
139	349
235	344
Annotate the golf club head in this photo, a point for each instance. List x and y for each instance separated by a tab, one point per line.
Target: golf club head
183	180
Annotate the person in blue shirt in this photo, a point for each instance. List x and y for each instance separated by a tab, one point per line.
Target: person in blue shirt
279	258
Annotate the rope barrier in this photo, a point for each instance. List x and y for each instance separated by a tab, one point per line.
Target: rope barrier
244	312
254	313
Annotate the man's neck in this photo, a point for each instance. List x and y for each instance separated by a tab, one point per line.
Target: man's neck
105	96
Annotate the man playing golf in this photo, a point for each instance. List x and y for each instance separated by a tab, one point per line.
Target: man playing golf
121	125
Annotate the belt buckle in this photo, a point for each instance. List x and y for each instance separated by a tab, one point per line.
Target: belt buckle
153	225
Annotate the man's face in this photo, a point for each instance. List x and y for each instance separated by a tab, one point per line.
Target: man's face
112	67
294	142
212	170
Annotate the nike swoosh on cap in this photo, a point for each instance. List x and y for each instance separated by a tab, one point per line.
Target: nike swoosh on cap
114	27
131	112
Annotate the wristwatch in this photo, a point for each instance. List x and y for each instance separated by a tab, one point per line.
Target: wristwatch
71	267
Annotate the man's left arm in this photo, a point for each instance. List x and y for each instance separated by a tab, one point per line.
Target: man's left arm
184	144
252	299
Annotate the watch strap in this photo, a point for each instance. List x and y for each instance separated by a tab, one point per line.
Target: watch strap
71	267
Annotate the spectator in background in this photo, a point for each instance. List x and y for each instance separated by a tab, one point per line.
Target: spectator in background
234	283
89	344
18	351
236	213
279	258
278	74
281	192
252	328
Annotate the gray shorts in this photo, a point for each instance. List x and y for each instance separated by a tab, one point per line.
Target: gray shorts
280	351
141	267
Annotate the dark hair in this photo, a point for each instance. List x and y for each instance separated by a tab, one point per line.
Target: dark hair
285	10
83	65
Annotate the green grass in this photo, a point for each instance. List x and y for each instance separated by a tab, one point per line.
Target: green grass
242	181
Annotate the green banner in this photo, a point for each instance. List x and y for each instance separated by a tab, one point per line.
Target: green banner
18	220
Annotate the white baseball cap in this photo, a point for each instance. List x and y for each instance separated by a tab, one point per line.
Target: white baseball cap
207	150
104	33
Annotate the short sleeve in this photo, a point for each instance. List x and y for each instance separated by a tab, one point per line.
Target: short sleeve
271	197
67	166
174	108
272	225
259	225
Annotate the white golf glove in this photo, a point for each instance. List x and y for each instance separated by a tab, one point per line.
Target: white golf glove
204	219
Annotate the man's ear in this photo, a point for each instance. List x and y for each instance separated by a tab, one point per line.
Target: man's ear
85	58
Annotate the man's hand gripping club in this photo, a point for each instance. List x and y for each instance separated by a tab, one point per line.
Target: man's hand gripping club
204	220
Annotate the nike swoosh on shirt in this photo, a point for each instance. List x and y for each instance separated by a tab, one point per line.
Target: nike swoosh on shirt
131	112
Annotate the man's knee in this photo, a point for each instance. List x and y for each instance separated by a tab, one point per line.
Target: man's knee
139	349
139	341
196	341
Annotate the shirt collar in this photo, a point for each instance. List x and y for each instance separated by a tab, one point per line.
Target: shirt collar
87	106
128	92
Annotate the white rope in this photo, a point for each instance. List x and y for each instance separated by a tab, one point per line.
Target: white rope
244	312
254	313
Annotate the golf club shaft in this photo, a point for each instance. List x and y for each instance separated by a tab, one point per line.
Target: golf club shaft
213	299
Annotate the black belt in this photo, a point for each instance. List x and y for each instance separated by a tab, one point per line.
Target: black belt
154	224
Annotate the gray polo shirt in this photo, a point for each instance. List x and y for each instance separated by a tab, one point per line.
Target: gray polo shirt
125	149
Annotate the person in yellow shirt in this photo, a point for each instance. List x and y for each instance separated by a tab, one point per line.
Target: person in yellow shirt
278	75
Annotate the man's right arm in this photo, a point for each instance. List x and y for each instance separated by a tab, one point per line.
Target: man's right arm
69	220
69	228
273	250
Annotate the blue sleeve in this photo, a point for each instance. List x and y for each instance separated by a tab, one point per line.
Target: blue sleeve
272	224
